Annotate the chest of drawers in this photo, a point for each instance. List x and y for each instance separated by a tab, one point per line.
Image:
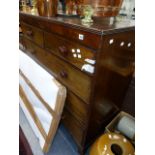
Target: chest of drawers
95	64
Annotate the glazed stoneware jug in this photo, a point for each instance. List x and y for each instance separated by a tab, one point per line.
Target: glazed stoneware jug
112	144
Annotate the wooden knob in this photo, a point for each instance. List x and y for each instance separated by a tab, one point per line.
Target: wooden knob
29	33
63	50
63	74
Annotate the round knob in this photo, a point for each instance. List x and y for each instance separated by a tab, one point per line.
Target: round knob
29	33
63	74
63	50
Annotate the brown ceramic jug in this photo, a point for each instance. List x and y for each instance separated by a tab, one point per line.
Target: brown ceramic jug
112	144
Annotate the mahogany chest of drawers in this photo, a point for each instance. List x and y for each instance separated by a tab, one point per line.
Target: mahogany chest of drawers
95	63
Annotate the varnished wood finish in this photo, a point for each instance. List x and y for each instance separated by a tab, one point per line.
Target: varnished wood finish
118	56
76	81
73	126
115	67
66	32
32	33
92	99
54	44
78	108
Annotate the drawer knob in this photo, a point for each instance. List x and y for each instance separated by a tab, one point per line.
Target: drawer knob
29	33
63	50
63	74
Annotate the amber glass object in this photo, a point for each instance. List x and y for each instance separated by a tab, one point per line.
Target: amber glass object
104	8
47	7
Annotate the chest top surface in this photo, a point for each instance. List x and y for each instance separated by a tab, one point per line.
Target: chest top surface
102	26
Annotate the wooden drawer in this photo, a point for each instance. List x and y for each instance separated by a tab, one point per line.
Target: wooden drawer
70	51
73	126
72	78
91	40
32	33
77	108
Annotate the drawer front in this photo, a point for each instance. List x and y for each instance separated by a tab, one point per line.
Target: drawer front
33	33
73	126
72	78
84	37
70	51
77	108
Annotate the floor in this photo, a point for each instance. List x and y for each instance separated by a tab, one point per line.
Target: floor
63	143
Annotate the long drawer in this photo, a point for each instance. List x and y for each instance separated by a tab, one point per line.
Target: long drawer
73	126
32	33
68	50
72	78
77	108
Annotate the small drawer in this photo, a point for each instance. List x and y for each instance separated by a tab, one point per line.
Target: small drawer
72	52
77	108
73	126
32	33
72	78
